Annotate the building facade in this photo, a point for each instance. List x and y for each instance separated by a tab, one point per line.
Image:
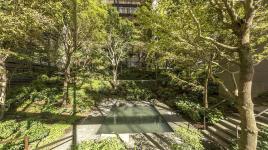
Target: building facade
126	8
259	83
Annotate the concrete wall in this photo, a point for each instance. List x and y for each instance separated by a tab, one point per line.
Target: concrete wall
260	80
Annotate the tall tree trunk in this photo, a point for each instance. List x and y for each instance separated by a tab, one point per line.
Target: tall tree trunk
66	84
3	87
74	36
49	47
205	94
249	130
115	75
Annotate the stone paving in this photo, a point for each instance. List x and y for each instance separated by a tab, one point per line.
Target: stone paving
87	129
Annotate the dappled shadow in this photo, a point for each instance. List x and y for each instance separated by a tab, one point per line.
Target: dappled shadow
164	139
153	141
27	106
163	107
44	117
130	122
51	118
129	119
56	143
99	118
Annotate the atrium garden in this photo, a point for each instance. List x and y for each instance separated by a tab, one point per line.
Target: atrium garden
133	75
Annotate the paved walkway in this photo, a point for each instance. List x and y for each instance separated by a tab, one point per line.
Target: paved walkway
86	130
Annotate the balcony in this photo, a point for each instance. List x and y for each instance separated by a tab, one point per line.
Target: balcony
124	2
126	8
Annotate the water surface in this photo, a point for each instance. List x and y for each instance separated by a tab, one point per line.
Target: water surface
134	119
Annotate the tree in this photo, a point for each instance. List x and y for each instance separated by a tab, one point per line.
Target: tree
21	26
91	33
224	27
66	29
117	41
158	29
242	27
88	28
3	84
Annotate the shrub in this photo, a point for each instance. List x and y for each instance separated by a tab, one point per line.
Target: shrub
192	110
33	129
136	74
106	144
42	89
196	112
191	138
19	95
9	128
137	90
214	116
93	90
167	93
184	84
48	91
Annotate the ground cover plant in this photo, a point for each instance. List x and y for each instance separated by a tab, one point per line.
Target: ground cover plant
106	144
60	58
37	113
191	138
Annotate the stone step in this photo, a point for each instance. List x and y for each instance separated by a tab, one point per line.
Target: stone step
236	118
262	119
229	125
220	134
225	129
215	138
259	124
265	114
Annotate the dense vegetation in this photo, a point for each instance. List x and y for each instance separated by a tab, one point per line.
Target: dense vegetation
70	55
107	144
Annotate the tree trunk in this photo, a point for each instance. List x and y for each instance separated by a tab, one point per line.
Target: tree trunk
74	73
66	85
205	94
249	130
115	82
3	87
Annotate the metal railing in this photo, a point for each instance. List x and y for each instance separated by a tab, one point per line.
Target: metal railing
256	116
25	143
212	107
216	105
262	112
135	2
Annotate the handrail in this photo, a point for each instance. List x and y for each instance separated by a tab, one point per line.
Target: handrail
262	112
54	143
10	140
25	141
216	105
256	116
